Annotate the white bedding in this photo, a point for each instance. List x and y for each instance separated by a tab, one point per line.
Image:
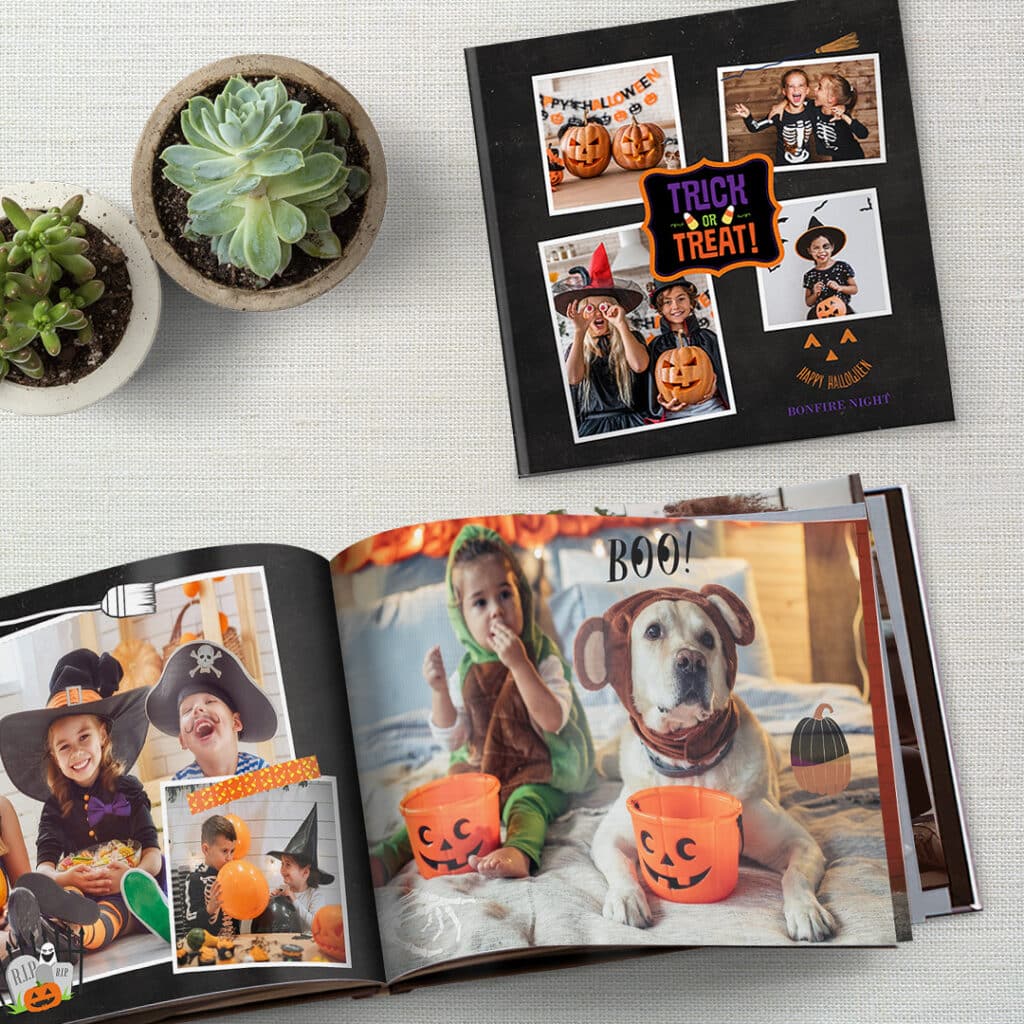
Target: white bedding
425	921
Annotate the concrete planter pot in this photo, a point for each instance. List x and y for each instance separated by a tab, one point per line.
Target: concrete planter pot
146	164
138	337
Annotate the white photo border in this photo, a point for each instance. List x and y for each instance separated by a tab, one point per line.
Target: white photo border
169	956
552	212
577	439
194	784
883	266
810	165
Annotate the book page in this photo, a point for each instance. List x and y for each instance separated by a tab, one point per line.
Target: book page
174	745
624	683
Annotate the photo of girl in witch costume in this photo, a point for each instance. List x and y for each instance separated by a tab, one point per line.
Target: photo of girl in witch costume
846	277
74	756
607	360
829	284
268	864
620	341
509	710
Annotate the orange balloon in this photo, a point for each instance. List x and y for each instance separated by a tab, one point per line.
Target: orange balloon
243	837
244	891
190	589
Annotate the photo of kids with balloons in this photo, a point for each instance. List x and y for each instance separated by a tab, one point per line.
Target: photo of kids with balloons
162	680
802	113
834	263
600	128
258	879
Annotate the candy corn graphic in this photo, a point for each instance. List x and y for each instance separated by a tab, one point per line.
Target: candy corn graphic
691	221
728	215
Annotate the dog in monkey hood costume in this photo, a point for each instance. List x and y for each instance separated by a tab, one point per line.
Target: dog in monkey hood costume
670	655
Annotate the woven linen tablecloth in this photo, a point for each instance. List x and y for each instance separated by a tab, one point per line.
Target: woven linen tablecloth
385	403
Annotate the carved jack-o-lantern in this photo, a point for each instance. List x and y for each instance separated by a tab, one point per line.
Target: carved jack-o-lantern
832	306
688	842
586	150
819	754
329	931
685	374
555	167
42	997
450	820
638	146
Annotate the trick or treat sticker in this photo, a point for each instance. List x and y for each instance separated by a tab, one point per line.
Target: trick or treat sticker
711	217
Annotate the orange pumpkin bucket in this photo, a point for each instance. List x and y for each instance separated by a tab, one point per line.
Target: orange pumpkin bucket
450	820
688	841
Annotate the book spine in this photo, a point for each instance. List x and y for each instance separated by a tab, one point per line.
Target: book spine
476	99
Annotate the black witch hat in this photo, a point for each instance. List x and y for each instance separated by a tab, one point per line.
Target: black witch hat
302	848
815	229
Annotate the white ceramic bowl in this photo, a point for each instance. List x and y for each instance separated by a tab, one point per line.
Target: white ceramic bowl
141	329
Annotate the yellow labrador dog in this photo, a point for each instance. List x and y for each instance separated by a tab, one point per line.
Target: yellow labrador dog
670	655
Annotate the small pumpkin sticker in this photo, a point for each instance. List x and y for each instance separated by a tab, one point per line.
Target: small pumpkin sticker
820	755
42	997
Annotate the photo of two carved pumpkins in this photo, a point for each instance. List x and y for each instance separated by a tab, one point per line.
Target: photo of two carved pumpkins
587	148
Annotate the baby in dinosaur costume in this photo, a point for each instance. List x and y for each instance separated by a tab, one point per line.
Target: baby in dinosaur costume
510	708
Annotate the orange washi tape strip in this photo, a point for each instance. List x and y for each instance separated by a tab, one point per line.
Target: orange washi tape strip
274	776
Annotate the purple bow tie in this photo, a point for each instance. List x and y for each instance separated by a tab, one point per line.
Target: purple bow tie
98	809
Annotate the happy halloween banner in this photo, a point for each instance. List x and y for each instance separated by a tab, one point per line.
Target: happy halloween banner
642	88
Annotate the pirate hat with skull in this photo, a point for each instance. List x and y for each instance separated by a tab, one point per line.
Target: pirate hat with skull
204	667
82	683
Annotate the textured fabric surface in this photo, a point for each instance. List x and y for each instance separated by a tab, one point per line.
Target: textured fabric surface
293	427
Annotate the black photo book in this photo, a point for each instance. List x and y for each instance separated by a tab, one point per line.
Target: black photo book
708	232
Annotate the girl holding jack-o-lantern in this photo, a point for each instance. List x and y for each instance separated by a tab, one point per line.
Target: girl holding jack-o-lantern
607	359
830	283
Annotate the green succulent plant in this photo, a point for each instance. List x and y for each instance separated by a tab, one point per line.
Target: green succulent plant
263	176
52	241
34	306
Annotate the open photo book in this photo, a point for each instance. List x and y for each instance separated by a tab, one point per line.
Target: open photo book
248	772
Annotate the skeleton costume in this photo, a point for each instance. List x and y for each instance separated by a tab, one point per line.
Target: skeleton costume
793	134
197	891
204	667
838	140
494	732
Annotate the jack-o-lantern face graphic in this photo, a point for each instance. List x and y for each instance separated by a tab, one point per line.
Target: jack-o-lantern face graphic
688	842
685	374
638	146
832	306
450	820
42	997
586	150
555	167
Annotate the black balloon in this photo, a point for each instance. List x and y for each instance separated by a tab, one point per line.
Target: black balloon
280	916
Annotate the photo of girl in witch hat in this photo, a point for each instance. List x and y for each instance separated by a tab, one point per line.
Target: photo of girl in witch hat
607	360
74	756
301	874
829	284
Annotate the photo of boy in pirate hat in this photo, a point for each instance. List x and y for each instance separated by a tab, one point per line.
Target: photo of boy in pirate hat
205	697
